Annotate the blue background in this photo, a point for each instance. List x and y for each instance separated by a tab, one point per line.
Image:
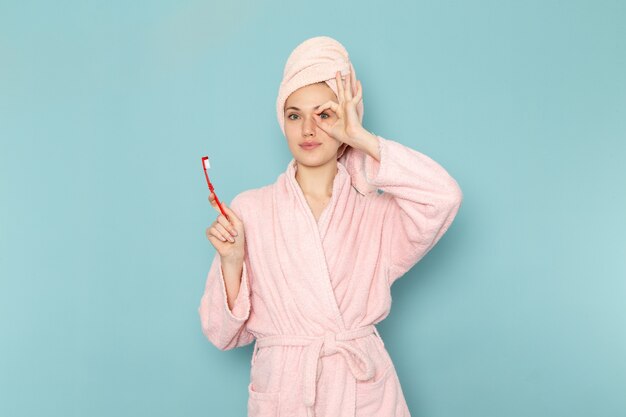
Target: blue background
107	107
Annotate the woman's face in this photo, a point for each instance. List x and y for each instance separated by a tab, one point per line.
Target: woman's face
300	125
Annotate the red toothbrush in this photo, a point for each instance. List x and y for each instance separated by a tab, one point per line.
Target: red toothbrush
206	165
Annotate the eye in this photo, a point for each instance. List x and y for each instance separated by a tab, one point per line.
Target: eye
292	114
324	114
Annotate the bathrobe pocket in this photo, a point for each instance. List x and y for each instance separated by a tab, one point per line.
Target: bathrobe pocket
264	386
262	404
376	396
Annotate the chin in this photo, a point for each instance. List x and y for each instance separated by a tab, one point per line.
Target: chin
314	160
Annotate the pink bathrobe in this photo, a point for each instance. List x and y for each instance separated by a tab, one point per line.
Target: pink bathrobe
311	291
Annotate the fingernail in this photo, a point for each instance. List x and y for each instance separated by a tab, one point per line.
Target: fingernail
231	239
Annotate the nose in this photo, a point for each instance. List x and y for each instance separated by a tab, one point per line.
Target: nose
309	126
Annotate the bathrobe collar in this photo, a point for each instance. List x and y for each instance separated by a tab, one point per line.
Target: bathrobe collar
298	234
342	185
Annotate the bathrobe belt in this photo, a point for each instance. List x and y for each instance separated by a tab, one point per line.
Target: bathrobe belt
327	344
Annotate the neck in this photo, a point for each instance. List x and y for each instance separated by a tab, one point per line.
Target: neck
317	181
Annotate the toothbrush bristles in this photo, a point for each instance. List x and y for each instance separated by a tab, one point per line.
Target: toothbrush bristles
207	164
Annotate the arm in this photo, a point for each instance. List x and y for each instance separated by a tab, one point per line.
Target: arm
422	201
225	305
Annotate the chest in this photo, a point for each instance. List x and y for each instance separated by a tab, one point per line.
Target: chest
314	261
317	207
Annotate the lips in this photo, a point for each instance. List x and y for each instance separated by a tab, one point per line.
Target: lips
309	145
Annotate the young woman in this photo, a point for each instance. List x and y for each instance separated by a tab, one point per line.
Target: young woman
305	266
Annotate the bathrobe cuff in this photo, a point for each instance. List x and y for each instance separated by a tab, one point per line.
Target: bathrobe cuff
241	307
225	328
371	167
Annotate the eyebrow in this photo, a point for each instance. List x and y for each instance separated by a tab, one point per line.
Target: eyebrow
295	108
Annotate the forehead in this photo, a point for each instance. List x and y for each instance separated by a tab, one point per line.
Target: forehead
310	95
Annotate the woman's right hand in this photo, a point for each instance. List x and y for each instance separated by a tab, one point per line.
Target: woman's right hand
221	231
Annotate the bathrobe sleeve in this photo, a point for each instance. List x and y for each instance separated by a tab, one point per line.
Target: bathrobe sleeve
223	327
422	200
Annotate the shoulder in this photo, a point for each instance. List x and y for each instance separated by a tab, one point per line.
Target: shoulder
248	201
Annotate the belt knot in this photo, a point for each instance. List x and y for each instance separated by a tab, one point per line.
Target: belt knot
330	344
360	364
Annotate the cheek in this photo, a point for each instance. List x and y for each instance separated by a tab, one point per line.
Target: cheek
289	131
291	138
291	125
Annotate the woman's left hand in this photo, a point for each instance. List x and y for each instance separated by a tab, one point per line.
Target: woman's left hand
347	126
